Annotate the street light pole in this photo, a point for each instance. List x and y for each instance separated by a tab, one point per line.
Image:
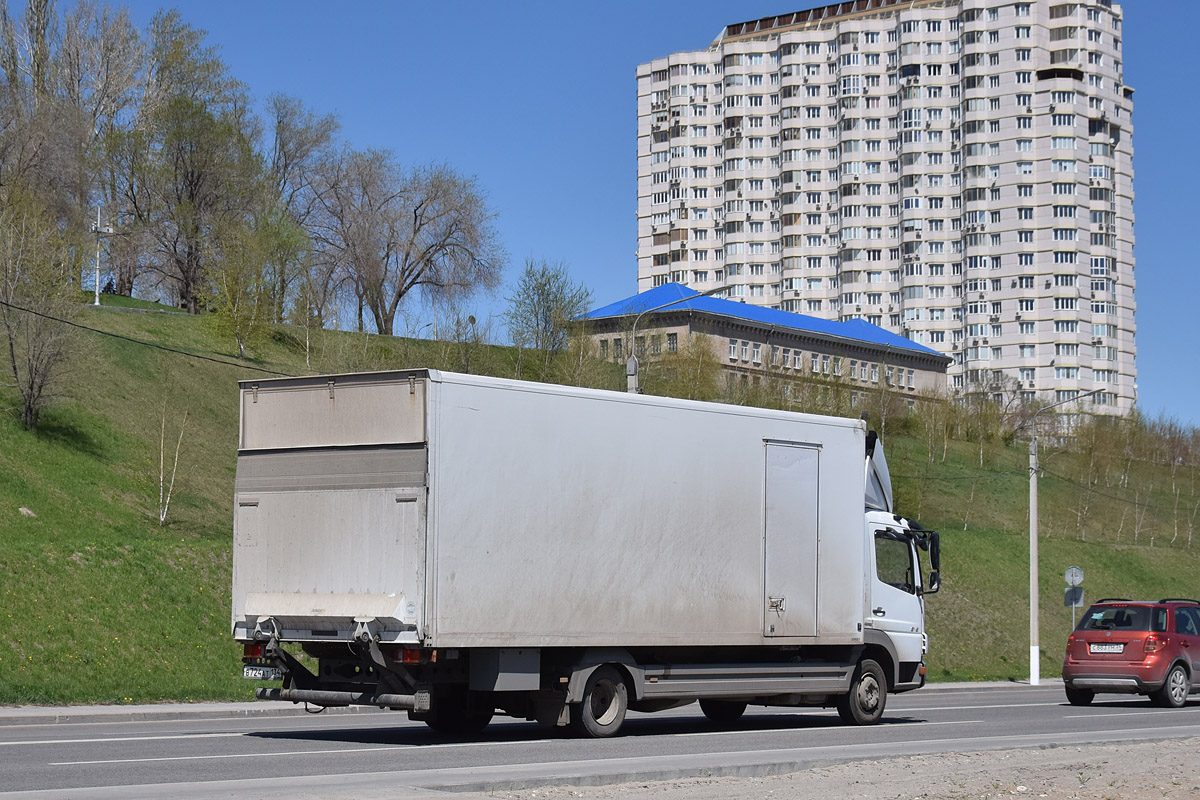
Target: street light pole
1034	646
631	366
99	231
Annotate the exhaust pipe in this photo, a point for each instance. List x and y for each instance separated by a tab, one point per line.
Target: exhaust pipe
412	702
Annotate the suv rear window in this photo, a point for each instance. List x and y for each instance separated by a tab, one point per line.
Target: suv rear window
1124	618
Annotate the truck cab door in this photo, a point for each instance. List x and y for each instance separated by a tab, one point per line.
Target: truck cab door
896	605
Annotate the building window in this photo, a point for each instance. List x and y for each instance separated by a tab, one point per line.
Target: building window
672	342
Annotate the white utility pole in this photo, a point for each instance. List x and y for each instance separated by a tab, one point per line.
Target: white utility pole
1034	647
99	231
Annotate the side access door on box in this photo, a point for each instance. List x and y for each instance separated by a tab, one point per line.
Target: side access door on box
791	541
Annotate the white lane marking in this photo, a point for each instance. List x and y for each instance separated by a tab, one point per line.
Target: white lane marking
104	740
1158	712
207	758
749	731
894	709
389	748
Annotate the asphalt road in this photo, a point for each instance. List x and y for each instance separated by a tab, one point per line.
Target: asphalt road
230	751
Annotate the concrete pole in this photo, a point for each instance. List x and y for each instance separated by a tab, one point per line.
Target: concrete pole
1034	649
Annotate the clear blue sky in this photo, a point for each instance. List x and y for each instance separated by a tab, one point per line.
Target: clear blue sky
538	101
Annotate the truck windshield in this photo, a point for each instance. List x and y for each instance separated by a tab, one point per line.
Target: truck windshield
1124	618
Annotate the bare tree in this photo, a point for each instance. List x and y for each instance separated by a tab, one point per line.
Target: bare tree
298	137
393	230
36	296
166	487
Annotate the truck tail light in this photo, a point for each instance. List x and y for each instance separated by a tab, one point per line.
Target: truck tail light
410	655
254	650
1154	642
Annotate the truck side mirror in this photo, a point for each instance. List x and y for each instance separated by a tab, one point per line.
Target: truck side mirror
935	562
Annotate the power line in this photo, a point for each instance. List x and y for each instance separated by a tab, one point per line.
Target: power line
1098	492
144	344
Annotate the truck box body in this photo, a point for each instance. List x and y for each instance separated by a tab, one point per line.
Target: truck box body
458	511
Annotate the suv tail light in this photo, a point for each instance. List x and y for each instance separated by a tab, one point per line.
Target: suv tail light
1154	642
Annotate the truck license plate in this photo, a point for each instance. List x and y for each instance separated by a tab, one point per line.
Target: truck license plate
262	673
1106	647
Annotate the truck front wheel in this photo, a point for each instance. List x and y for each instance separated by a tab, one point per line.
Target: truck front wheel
605	701
864	703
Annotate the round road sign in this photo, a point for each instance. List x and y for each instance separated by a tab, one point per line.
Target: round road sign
1074	576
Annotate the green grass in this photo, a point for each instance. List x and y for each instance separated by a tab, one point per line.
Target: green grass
101	604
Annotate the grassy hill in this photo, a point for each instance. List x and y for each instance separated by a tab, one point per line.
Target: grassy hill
101	603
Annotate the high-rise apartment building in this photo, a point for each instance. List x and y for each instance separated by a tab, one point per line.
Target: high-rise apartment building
956	171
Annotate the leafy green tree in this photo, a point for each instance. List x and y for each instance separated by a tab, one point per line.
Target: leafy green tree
693	372
187	165
546	300
240	296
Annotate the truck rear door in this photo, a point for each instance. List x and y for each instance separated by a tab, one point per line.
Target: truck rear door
329	527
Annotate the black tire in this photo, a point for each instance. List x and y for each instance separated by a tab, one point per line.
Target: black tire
452	715
723	712
864	703
1080	697
1174	691
605	701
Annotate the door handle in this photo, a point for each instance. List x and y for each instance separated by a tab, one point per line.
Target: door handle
1186	643
879	612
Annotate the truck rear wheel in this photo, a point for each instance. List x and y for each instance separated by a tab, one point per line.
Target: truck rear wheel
723	712
863	704
605	701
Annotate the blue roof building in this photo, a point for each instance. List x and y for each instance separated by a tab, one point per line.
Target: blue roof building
752	341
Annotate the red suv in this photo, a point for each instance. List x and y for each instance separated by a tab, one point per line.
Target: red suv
1135	648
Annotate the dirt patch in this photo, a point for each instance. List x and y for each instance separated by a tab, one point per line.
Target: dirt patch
1167	770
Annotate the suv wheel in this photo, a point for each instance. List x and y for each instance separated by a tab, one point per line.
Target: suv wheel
1080	697
1174	691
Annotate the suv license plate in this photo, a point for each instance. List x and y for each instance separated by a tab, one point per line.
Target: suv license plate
262	673
1104	647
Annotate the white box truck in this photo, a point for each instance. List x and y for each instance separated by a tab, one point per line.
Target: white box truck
458	546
